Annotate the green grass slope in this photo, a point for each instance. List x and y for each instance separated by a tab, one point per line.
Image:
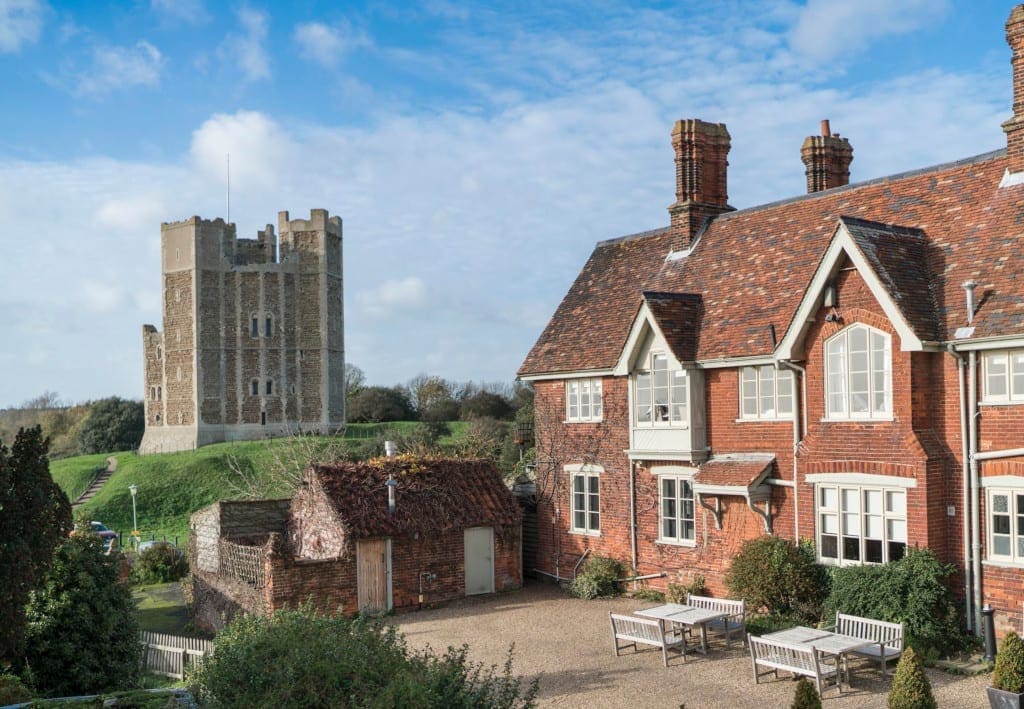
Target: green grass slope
75	474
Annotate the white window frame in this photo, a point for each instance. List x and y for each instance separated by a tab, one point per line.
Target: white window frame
590	497
1015	518
670	412
584	400
679	517
839	388
890	521
760	387
1011	378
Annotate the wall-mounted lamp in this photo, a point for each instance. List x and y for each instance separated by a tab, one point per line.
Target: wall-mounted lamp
830	298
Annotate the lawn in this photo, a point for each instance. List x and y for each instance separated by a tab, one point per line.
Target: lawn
161	608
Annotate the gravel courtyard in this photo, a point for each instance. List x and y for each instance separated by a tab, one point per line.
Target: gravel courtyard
567	643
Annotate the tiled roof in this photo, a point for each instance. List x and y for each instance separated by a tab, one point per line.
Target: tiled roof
751	267
678	318
433	495
745	471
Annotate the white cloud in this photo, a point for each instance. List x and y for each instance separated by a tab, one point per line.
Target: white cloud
21	22
191	11
259	150
326	44
394	296
830	28
131	214
112	69
248	49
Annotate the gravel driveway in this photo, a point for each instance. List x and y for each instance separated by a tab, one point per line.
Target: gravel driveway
567	643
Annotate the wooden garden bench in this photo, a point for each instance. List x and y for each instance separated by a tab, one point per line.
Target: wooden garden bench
642	631
888	637
736	620
798	659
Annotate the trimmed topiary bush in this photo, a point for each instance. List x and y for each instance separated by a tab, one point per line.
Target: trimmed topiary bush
910	686
778	576
912	591
598	578
1008	674
160	563
806	696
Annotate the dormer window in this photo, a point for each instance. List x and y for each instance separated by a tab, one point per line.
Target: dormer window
659	392
858	374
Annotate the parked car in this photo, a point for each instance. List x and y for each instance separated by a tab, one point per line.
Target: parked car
143	546
102	531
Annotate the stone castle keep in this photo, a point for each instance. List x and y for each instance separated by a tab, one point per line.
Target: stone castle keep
253	338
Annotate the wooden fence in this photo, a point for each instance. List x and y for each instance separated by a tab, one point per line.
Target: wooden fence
169	655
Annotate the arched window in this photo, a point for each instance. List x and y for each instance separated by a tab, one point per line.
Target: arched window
858	374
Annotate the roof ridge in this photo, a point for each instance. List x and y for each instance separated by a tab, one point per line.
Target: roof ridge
638	235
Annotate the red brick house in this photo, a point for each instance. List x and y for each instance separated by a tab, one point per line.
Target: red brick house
845	366
389	534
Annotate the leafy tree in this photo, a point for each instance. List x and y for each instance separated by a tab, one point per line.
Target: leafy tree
778	575
82	633
114	424
375	404
486	404
910	686
433	397
301	658
35	516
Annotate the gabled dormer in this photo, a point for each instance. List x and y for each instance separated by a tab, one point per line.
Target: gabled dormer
666	390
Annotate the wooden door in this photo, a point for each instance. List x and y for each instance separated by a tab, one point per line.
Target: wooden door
479	545
373	575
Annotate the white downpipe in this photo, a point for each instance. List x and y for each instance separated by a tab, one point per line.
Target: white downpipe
972	435
632	515
802	381
967	512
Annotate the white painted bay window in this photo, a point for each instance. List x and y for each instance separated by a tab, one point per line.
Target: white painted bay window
861	525
1003	377
583	400
766	393
659	393
858	374
675	509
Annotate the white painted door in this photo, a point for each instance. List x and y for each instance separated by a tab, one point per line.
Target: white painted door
479	543
373	575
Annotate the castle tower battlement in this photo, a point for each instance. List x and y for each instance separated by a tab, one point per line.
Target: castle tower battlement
252	344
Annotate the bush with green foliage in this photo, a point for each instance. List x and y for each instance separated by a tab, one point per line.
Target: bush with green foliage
13	690
678	592
1008	674
35	517
82	635
779	576
302	658
114	424
806	696
910	686
161	563
374	404
598	578
912	591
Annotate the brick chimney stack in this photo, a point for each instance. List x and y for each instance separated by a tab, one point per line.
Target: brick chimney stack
827	158
1014	127
702	151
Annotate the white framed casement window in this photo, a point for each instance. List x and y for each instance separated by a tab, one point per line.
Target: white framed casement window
858	374
583	400
1003	377
659	393
860	524
766	393
1005	524
675	509
586	502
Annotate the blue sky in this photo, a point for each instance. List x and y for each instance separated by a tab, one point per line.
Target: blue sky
476	152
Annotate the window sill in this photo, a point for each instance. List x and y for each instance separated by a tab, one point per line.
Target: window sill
1001	403
568	421
878	419
784	419
686	543
584	533
999	564
662	426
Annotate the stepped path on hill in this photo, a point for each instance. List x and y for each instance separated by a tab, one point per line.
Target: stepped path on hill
100	480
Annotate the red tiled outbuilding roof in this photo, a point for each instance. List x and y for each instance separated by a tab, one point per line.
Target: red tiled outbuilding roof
746	471
750	268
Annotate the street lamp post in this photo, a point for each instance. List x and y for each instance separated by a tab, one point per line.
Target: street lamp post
133	488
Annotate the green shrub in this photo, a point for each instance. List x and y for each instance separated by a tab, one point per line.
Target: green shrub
911	591
1008	674
12	690
649	594
160	563
598	578
806	696
301	658
910	686
677	592
762	623
778	576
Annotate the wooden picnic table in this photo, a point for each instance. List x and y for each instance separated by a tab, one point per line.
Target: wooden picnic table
824	641
684	615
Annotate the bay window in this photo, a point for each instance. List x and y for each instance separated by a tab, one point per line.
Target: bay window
861	525
659	393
